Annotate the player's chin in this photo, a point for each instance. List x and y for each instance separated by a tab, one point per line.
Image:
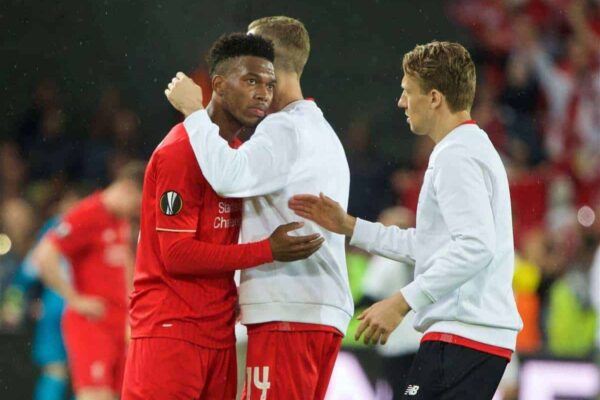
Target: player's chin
252	121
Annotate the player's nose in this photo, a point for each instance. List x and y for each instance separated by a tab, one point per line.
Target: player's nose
402	102
262	93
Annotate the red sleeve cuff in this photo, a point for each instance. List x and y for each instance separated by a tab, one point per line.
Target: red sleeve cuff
263	252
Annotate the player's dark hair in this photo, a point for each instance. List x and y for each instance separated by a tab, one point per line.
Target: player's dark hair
235	45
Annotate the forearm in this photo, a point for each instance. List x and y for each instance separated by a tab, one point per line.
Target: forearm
48	259
188	256
259	167
386	241
348	225
129	272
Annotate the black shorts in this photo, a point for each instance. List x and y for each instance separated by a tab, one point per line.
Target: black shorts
444	371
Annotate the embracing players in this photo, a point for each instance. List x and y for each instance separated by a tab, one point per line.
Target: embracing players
183	307
296	315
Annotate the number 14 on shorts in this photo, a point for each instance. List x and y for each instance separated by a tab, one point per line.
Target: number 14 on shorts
258	380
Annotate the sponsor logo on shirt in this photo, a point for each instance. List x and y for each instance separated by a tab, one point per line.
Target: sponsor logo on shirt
171	203
222	221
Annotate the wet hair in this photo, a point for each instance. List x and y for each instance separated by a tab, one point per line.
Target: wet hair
233	45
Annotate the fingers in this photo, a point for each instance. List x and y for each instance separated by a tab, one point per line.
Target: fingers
310	246
304	198
292	226
303	239
304	215
361	328
303	201
369	334
301	207
364	314
297	239
327	200
302	251
178	77
384	337
373	333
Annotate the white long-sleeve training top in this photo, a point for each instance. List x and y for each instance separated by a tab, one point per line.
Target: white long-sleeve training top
462	245
291	152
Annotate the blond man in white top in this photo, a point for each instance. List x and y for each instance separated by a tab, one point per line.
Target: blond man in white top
462	245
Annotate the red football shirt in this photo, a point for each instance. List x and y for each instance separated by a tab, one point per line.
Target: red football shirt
96	243
187	251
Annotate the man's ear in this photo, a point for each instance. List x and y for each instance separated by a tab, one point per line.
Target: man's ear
218	84
435	99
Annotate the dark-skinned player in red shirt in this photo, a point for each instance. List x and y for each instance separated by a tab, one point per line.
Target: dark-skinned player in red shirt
184	299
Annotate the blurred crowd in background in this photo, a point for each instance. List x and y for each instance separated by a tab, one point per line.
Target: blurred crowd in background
538	98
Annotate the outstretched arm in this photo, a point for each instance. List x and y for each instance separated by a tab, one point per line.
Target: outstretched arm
387	241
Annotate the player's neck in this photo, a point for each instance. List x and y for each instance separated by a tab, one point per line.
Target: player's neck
447	123
228	126
288	90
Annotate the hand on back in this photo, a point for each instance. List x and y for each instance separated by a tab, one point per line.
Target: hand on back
324	211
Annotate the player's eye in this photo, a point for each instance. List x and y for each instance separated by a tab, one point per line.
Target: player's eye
271	86
251	81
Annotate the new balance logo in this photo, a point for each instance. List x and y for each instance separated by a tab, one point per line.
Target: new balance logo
411	390
253	377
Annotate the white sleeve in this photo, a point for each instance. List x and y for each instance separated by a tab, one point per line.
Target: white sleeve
465	206
260	166
386	241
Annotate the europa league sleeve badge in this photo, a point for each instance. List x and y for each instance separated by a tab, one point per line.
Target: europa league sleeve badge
171	203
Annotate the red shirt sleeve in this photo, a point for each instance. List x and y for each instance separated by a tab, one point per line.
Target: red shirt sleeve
179	202
178	194
184	255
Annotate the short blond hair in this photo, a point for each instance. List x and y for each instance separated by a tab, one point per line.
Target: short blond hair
290	38
446	67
